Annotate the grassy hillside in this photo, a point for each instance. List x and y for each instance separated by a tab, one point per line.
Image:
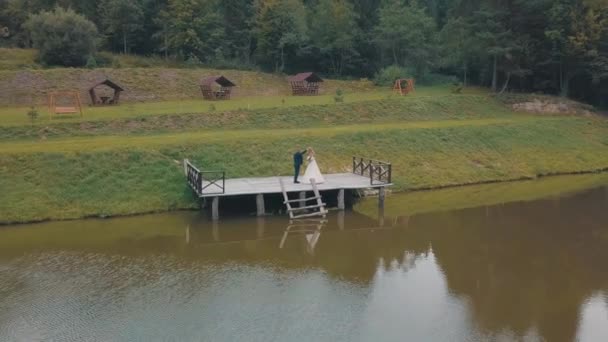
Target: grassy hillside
357	110
94	168
23	83
127	159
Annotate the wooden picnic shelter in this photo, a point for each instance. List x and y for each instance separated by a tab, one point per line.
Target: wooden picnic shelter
105	100
216	88
404	86
305	83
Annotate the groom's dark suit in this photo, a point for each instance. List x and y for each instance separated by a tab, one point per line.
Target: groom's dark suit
298	159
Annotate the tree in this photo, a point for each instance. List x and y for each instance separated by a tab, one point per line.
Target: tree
14	13
334	30
458	45
193	28
575	32
281	30
122	19
408	34
494	37
238	17
62	37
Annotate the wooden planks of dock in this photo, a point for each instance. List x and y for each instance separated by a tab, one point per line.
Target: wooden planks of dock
271	185
214	185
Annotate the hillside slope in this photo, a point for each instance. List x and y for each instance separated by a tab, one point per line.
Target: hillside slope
129	166
24	83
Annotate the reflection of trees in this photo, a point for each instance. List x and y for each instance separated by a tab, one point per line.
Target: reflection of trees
524	264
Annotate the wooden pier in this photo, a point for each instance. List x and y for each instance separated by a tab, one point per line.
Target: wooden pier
213	184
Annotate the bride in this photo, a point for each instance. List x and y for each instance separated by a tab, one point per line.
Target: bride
312	170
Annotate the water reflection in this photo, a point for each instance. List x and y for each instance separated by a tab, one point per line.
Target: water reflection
525	270
309	229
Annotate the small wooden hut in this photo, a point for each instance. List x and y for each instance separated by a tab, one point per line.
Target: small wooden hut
105	100
216	88
305	83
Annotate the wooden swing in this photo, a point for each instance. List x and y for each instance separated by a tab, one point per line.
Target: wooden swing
409	86
64	102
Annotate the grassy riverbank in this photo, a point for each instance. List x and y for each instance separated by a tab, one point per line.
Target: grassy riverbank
461	140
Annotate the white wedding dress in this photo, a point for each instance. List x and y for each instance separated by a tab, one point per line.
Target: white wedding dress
312	171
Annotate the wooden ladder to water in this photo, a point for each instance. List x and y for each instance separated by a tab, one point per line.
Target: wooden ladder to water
304	210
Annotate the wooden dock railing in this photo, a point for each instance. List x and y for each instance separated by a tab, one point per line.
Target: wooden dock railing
205	182
378	172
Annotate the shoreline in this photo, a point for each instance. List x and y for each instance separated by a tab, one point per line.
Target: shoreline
389	191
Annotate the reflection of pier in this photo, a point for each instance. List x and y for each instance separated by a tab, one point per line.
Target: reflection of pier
277	228
309	228
366	174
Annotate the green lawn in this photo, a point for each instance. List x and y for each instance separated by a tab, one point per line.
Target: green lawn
17	116
79	177
114	162
384	111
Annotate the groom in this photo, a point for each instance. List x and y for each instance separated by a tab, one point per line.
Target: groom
298	159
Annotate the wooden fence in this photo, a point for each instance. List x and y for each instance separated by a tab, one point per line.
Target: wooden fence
205	182
378	172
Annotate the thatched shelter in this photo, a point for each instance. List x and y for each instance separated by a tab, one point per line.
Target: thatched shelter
216	88
305	83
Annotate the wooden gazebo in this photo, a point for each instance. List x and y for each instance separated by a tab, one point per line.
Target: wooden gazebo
105	100
404	86
305	83
216	88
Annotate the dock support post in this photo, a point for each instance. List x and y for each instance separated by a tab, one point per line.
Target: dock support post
341	220
341	199
215	210
259	201
215	231
260	226
302	197
381	195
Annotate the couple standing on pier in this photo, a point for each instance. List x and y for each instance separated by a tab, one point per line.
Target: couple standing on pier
312	169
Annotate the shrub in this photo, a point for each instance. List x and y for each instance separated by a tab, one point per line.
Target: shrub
62	37
193	61
91	62
33	114
388	75
457	88
339	97
104	59
436	79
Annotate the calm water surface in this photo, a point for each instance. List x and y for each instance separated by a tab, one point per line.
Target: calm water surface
437	266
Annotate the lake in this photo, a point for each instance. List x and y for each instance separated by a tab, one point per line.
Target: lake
522	261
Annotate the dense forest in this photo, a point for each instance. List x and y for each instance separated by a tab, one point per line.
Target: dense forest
550	46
